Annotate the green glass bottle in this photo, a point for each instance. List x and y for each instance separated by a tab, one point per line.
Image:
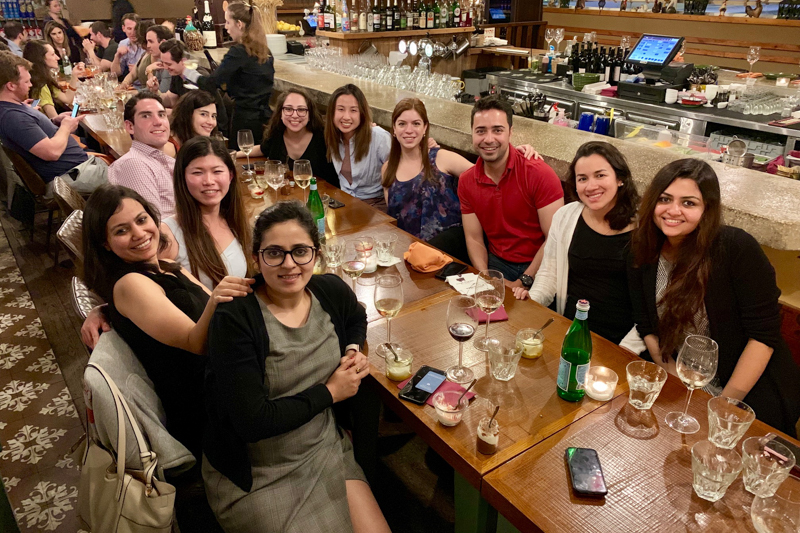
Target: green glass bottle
576	353
317	211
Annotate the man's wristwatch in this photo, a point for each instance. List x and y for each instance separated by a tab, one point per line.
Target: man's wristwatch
527	281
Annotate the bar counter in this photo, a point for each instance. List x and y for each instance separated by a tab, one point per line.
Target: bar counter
766	206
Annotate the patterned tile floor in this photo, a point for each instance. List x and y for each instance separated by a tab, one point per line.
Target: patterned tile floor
38	421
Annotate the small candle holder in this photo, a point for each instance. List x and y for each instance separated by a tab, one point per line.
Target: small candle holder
601	382
782	82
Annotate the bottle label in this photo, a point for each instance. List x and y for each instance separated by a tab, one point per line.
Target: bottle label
581	315
321	228
564	368
580	376
210	38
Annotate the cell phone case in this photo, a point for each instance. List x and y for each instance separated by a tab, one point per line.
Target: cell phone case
585	472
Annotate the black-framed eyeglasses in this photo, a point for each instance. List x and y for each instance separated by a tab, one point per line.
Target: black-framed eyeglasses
274	257
301	111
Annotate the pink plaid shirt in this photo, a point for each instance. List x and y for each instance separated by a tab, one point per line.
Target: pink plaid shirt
148	171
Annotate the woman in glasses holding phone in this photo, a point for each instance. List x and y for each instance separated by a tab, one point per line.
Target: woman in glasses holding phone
280	360
296	131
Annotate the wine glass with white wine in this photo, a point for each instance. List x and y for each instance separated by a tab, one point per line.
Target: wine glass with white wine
461	324
302	176
388	302
696	367
490	289
355	262
246	144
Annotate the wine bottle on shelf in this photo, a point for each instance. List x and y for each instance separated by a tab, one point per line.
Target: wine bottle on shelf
376	16
362	17
330	22
408	15
576	355
423	14
404	16
207	27
437	16
389	16
345	17
354	17
321	15
398	17
470	13
415	14
464	14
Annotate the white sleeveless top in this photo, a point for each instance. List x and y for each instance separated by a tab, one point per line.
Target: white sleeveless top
232	257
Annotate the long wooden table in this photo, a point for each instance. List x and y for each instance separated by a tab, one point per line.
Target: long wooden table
116	142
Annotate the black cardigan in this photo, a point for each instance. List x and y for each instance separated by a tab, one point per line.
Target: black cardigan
237	397
742	304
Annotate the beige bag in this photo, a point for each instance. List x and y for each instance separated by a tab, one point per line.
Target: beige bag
114	500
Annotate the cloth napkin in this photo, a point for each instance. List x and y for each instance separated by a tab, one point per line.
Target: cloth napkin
424	258
498	316
445	386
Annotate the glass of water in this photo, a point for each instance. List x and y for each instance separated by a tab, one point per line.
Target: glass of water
645	380
766	465
728	420
714	469
504	357
780	512
384	245
333	251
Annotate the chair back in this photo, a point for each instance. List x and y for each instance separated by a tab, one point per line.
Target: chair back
68	198
29	177
71	235
114	356
83	299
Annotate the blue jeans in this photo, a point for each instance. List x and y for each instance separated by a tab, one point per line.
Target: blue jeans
511	271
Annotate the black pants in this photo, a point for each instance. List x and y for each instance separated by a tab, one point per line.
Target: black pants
452	241
246	120
191	505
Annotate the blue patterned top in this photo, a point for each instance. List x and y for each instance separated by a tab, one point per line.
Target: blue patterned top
422	208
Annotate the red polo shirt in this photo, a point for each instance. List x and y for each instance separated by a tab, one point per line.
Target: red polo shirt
508	211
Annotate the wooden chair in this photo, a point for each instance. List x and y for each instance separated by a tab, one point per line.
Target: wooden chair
71	236
37	187
83	299
68	198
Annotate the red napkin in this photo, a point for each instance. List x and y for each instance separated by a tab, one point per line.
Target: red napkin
498	316
445	386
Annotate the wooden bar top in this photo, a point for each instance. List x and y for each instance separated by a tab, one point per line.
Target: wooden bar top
647	467
530	409
338	35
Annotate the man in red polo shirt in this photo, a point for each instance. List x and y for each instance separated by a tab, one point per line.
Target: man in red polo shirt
506	197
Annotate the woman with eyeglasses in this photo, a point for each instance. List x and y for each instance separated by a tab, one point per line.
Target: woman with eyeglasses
297	132
280	359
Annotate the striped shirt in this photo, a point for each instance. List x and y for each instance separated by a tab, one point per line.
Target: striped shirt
148	171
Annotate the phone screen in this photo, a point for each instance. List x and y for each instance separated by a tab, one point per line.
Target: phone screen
430	382
75	110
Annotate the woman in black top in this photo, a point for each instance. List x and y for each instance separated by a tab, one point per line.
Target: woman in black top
279	360
692	275
246	73
296	131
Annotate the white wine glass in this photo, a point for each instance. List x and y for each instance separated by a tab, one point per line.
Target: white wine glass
696	366
462	323
549	35
559	36
302	176
388	302
355	261
274	173
490	289
246	144
752	57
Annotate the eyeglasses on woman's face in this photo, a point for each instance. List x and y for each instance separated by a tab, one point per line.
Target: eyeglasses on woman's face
301	111
274	256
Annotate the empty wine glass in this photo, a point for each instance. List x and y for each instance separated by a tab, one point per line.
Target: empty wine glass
461	323
388	302
274	173
246	143
302	176
752	57
490	289
559	36
549	35
696	367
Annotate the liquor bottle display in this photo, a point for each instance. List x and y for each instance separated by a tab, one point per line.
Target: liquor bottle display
354	12
398	17
321	15
317	211
576	353
207	27
330	21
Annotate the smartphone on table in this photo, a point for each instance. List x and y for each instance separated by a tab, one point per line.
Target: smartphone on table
422	385
75	109
585	472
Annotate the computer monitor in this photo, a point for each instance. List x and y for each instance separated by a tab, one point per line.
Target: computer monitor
654	52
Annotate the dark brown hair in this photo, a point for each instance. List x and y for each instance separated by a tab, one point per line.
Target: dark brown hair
686	289
162	33
48	29
101	28
408	104
200	247
254	36
130	106
363	134
175	48
182	114
627	201
102	268
284	212
41	77
492	102
277	127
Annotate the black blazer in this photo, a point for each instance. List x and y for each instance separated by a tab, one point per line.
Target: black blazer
742	304
237	397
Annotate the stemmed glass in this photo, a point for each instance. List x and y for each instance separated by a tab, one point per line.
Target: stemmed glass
549	35
356	263
461	323
302	176
388	302
752	57
696	367
559	36
274	174
245	140
490	289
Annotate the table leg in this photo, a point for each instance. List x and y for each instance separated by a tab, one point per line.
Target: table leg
473	513
504	526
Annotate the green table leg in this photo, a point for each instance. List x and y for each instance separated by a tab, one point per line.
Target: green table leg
473	513
504	526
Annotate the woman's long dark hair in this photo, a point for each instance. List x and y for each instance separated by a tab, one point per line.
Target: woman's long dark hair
182	114
627	200
276	126
48	29
408	104
200	247
363	134
35	52
102	268
686	289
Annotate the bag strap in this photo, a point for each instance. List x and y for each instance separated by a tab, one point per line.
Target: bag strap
148	457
